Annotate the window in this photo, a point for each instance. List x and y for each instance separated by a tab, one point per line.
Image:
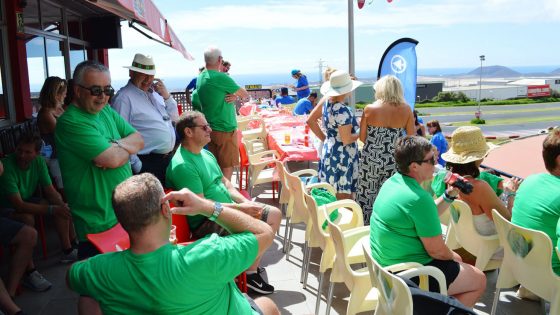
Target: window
55	59
36	63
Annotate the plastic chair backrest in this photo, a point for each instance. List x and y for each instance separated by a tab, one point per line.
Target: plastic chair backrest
341	264
299	207
527	261
113	240
394	295
465	233
243	157
285	192
318	236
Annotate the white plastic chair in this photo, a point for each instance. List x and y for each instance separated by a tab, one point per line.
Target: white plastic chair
527	261
462	233
394	294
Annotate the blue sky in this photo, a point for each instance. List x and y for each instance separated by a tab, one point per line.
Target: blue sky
274	36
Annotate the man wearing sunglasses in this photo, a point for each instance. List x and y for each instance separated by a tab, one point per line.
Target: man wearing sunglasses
405	226
147	105
94	144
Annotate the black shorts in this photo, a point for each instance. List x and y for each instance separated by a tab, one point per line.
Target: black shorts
86	250
450	269
8	230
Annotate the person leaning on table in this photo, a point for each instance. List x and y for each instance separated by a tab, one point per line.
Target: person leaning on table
405	225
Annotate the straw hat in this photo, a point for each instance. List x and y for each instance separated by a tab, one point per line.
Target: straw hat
340	83
143	64
467	145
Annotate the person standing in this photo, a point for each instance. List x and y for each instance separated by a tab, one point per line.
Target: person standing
302	86
339	162
383	122
94	144
215	95
438	139
146	104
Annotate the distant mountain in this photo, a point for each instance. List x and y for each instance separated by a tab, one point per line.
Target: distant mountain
555	72
495	72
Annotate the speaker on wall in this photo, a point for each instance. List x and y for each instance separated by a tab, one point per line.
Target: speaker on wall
103	32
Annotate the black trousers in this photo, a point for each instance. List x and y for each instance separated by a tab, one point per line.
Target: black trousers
156	164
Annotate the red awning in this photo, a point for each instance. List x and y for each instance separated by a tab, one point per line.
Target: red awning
146	14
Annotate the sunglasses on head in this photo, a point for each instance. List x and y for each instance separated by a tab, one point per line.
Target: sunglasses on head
96	90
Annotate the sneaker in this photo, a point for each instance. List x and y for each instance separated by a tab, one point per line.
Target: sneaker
256	283
261	270
70	257
36	282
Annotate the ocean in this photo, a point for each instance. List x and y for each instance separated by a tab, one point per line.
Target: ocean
179	83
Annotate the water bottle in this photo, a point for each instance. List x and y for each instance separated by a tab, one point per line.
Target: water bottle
293	134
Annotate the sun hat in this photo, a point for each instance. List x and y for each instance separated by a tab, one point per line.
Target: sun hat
467	145
295	71
143	64
340	83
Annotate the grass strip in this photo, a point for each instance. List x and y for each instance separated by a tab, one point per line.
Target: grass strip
508	121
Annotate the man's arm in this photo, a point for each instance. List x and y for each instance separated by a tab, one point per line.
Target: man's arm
234	194
436	248
232	220
33	208
53	196
118	153
241	92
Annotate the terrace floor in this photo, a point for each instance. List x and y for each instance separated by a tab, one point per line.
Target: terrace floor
290	297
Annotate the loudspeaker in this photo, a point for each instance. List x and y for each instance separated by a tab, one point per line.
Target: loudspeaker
103	32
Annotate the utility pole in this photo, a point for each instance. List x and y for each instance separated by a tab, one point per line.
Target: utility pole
321	63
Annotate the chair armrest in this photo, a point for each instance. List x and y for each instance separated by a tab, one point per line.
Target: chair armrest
402	266
357	218
427	271
256	159
305	172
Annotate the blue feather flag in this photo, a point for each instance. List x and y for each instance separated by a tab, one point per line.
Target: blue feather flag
399	60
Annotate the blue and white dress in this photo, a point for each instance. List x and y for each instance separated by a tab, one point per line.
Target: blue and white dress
339	163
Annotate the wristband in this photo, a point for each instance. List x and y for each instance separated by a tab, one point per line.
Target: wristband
509	194
50	210
448	198
217	210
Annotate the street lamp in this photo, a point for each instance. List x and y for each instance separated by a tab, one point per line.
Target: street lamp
479	112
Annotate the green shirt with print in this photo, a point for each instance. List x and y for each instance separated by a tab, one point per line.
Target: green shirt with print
402	213
211	89
80	138
537	206
201	174
174	279
25	182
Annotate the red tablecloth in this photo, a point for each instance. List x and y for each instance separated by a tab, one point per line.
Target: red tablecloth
296	150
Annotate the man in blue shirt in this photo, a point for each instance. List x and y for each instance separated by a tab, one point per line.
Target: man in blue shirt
192	86
302	86
284	97
305	105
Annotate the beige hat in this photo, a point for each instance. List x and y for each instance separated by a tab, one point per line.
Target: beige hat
340	83
467	145
143	64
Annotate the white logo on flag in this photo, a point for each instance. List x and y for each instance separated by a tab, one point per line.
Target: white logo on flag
398	64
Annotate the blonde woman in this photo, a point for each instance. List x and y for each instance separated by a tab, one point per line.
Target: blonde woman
383	122
340	152
51	99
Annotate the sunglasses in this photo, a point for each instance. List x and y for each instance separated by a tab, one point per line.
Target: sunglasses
96	90
204	127
431	160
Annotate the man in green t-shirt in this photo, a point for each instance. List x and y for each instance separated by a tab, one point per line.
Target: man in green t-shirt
537	204
405	225
155	277
195	168
94	144
25	172
215	95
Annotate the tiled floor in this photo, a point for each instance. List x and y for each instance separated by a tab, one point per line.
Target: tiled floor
290	296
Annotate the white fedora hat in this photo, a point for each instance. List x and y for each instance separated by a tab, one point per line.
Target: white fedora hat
143	64
340	83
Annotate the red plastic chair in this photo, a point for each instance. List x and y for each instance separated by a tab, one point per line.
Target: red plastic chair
113	240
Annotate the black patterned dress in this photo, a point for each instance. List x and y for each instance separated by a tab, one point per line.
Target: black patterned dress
377	164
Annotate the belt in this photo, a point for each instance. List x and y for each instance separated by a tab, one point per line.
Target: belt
160	155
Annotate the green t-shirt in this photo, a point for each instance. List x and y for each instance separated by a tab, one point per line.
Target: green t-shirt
211	89
402	213
80	137
201	174
438	186
193	279
537	206
25	182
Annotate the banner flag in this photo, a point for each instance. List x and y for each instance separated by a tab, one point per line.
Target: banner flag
399	60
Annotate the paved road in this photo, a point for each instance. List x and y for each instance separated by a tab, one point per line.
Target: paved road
549	112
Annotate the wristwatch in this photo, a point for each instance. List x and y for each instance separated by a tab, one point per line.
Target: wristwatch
217	210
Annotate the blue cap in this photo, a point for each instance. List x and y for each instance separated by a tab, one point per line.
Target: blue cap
295	71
